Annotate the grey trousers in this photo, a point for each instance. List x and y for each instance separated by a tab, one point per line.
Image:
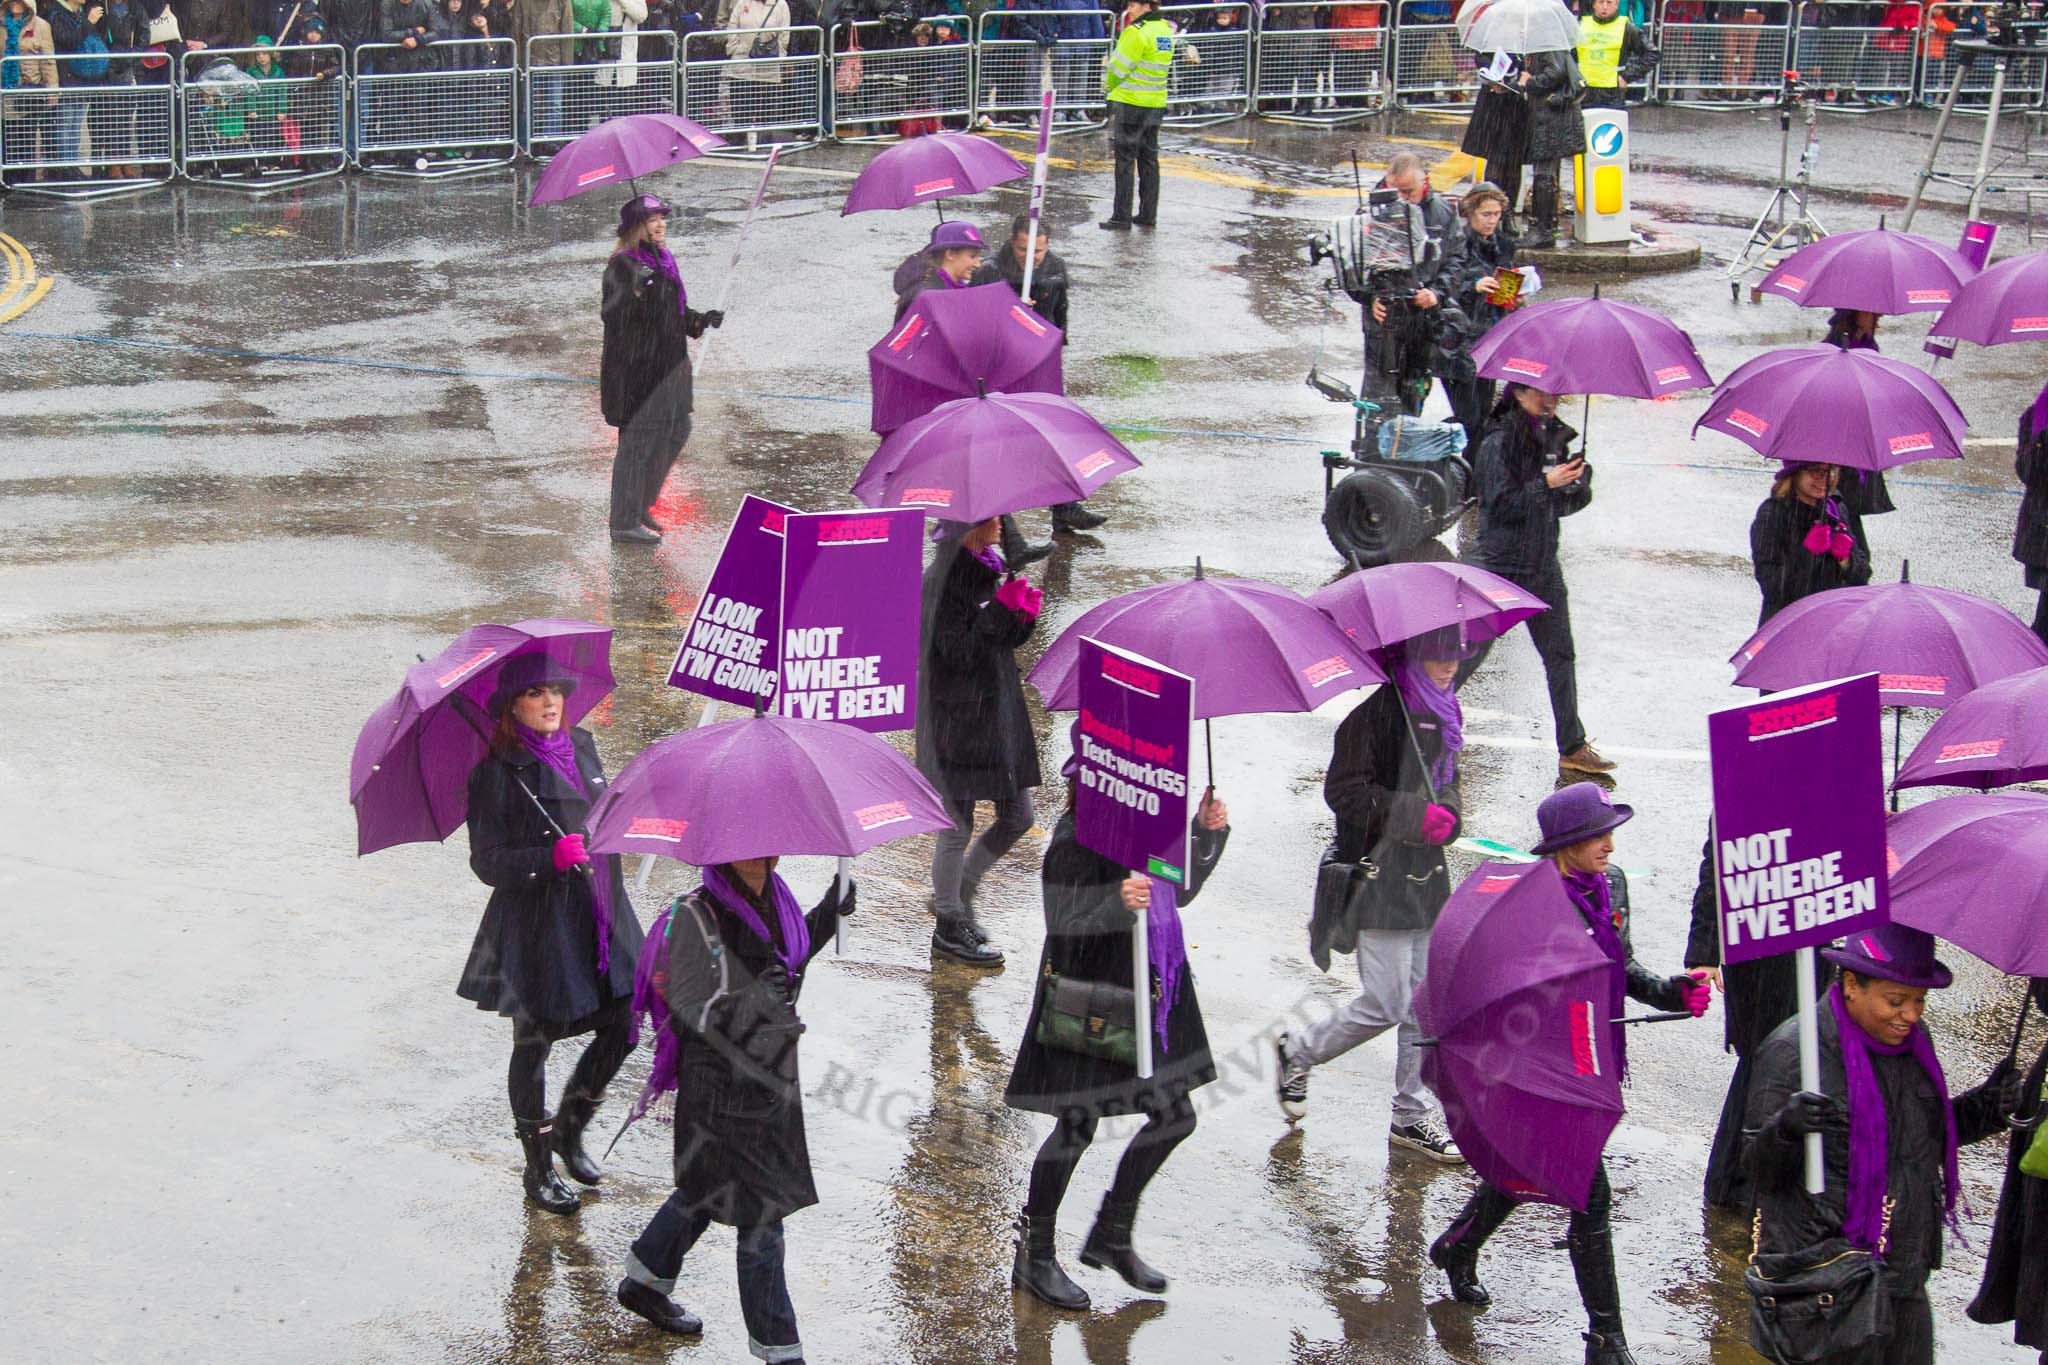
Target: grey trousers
954	865
1390	967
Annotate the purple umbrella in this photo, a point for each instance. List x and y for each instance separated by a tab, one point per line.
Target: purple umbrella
927	169
622	149
1516	999
1383	606
976	458
1851	408
1591	346
955	343
1875	271
409	779
761	787
1993	737
1974	870
2007	302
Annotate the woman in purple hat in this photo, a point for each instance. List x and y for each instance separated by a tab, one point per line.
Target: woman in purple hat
949	261
644	382
1889	1151
1805	539
1578	824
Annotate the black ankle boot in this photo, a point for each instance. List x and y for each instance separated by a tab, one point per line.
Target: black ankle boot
1608	1348
1017	551
1542	222
659	1309
1592	1255
956	938
1456	1253
1109	1245
1037	1269
543	1186
577	1110
1074	516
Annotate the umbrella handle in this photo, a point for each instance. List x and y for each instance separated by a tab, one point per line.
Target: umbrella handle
1669	1016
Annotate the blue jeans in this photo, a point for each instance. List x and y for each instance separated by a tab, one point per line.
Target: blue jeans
657	1257
70	129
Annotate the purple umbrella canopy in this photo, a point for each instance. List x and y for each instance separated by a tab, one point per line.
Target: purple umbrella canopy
1588	346
409	778
1928	646
975	458
955	343
1251	647
1995	736
1381	607
1974	870
1851	408
2006	302
622	149
925	169
1517	998
761	787
1876	271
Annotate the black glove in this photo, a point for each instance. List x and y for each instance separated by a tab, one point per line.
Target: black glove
646	280
1047	41
715	318
2005	1087
845	905
1807	1112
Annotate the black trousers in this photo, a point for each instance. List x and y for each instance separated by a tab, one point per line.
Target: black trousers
646	453
526	1079
1471	399
1551	632
657	1258
1134	137
2041	615
1063	1148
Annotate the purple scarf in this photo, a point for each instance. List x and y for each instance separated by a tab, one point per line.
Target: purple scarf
662	260
992	557
1869	1158
649	998
2037	418
1420	694
795	948
1590	893
558	751
1166	950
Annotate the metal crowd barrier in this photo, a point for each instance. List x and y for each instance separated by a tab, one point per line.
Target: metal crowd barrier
1301	74
443	108
757	101
263	131
1430	64
876	88
613	74
1868	61
2024	76
1719	63
1010	66
1210	80
67	140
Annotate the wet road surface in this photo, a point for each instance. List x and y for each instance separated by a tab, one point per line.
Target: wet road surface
252	1120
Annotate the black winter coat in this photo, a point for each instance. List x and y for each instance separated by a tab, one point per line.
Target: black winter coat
1643	985
644	373
740	1150
1555	128
2015	1287
1518	511
1498	131
398	20
924	281
1758	995
1914	1135
216	23
1048	283
535	955
1088	937
1785	569
68	32
351	22
974	738
2030	463
1376	787
1478	258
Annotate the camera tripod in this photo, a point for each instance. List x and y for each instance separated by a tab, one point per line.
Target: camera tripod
1777	229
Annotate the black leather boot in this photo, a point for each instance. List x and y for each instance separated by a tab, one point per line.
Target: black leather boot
1017	551
957	938
659	1309
1109	1245
571	1119
543	1186
1593	1265
1542	222
1037	1269
1074	516
1456	1253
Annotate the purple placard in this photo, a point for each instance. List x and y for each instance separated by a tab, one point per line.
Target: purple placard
1799	817
1131	801
850	602
1976	249
728	652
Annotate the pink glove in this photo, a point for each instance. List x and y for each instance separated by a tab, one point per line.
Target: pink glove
1437	824
1034	601
1698	994
1840	546
569	851
1015	594
1819	539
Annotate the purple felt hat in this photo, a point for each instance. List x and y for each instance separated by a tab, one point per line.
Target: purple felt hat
528	670
1073	763
1578	812
640	208
954	233
1895	952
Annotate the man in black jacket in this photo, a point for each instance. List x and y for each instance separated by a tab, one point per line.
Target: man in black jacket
1527	479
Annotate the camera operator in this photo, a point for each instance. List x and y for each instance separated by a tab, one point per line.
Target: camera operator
1401	331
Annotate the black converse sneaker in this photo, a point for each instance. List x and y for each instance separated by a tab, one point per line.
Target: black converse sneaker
1427	1137
1291	1079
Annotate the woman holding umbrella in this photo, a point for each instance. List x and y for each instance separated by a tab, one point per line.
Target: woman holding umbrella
644	374
1889	1153
2030	537
1578	825
2015	1287
1804	540
556	949
1091	909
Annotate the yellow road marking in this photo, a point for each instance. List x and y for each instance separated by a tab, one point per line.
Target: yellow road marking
15	284
25	289
35	296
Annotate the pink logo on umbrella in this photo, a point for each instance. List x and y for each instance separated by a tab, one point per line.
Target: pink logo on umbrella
1891	861
469	665
1791	284
1126	674
1673	374
1091	464
1489	886
932	186
1585	1046
1976	748
1749	421
1920	684
887	813
592	177
910	332
1025	320
929	497
1534	369
2034	324
654	827
1326	671
1502	595
1918	440
1927	296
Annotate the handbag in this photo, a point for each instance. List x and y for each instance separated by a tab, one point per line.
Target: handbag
846	80
164	29
1331	925
2034	1161
1813	1303
91	64
1091	1018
